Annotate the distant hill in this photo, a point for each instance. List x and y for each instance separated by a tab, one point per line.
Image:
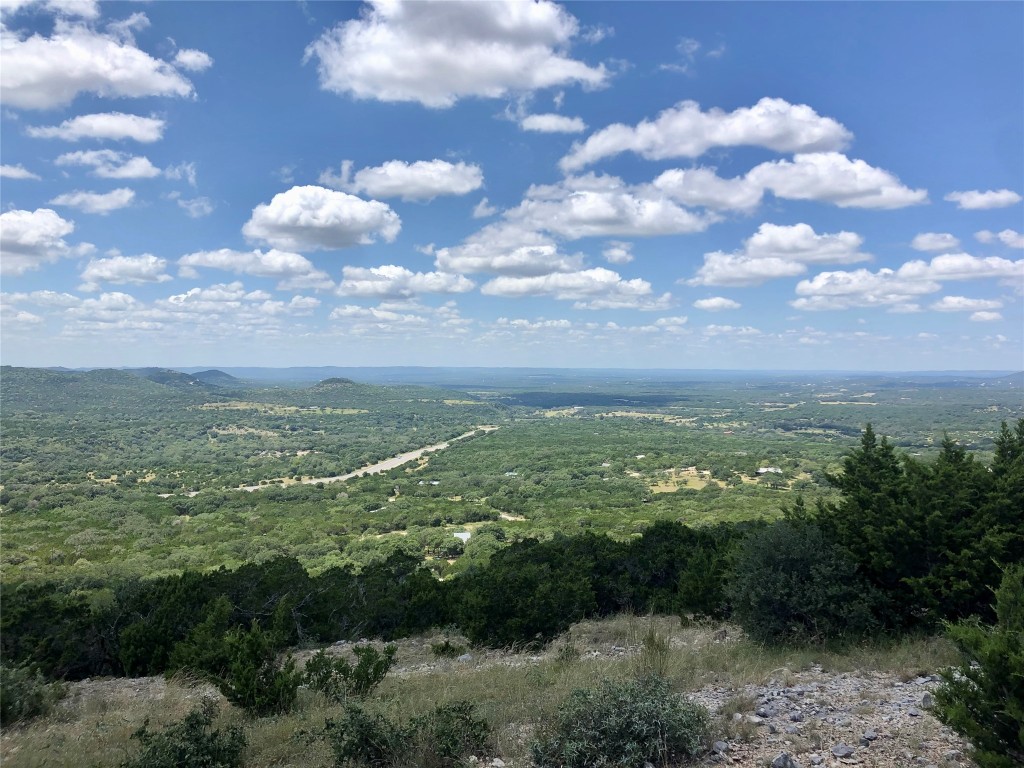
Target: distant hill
130	390
44	390
343	392
168	377
1013	381
217	378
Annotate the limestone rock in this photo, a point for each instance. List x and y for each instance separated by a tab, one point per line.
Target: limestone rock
784	761
843	750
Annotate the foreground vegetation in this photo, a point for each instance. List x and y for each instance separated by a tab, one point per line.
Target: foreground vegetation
518	695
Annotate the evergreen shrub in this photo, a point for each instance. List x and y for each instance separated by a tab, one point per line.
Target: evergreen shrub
257	680
25	693
443	738
983	698
790	585
338	679
623	725
189	742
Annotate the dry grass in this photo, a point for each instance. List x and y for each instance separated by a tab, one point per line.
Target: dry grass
514	692
93	725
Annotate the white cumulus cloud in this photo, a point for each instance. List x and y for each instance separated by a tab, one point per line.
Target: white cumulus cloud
1008	237
964	304
193	60
716	304
975	200
799	242
835	178
618	252
552	123
47	299
114	126
985	317
934	241
506	249
95	202
28	239
196	207
121	270
531	326
438	53
596	288
672	324
376	318
604	206
731	330
899	289
213	300
108	164
686	131
860	288
12	318
737	269
963	266
106	306
86	9
315	218
186	171
421	180
703	187
292	270
776	251
17	172
483	209
394	282
46	72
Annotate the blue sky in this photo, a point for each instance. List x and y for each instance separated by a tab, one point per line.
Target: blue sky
670	185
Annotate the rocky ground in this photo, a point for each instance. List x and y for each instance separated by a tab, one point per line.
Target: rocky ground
798	719
764	717
813	718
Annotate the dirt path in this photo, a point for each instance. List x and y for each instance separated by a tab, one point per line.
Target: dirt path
380	466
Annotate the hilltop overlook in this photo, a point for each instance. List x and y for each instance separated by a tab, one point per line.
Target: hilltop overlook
154	524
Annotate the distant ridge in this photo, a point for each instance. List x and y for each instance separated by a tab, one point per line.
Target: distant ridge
333	382
1013	381
168	377
71	391
460	376
217	378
